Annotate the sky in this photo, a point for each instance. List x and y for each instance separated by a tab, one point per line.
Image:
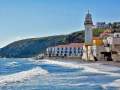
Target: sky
20	19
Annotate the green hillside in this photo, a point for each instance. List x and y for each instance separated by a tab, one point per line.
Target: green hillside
34	46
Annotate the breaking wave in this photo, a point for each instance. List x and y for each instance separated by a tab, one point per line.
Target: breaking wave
64	64
12	64
21	76
115	83
86	67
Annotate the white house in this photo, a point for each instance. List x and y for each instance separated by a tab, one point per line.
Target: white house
101	25
116	35
68	50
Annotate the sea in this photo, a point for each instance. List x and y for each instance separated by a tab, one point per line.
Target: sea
30	74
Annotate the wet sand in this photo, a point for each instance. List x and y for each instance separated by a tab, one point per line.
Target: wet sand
112	63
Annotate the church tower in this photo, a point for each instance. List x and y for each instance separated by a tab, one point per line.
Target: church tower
88	29
87	48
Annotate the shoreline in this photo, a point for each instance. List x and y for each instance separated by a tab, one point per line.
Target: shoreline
111	63
103	67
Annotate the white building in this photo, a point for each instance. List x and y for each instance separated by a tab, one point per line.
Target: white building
68	50
101	25
116	35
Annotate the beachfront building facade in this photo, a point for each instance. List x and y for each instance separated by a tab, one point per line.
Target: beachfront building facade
116	47
68	50
116	35
111	47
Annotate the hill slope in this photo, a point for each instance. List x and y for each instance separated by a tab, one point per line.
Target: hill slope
34	46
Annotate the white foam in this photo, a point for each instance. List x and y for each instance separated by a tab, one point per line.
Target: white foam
87	67
64	64
71	78
12	64
78	84
115	83
74	65
102	69
21	76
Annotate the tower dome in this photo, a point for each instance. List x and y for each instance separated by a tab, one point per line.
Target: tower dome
88	19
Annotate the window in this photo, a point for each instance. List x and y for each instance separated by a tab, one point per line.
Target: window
66	48
74	49
65	51
117	35
57	55
74	52
65	55
70	52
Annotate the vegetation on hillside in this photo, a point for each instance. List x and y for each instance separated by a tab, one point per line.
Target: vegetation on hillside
97	32
34	46
30	47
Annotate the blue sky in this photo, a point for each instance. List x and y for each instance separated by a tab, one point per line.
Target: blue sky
21	19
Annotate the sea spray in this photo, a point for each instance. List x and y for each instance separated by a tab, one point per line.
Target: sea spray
115	83
86	67
58	75
21	76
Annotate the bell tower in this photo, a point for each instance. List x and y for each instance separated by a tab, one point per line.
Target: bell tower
88	29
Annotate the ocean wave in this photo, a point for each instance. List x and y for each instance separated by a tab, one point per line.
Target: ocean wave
21	76
115	83
72	65
61	63
12	64
79	84
86	67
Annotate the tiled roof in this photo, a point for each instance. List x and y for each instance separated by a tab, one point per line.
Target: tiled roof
105	33
71	45
96	38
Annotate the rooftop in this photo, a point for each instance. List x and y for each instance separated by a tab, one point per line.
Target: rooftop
88	19
71	45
